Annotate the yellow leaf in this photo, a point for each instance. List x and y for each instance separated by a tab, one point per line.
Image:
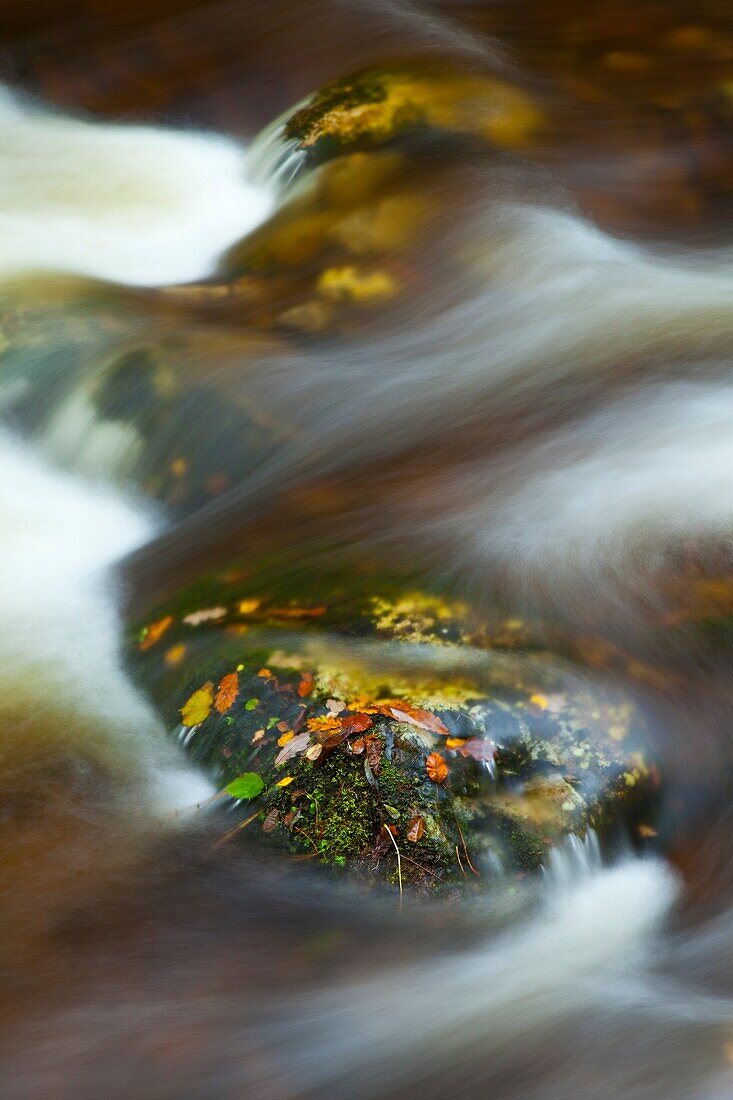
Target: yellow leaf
175	655
284	782
454	742
246	607
198	707
539	701
287	736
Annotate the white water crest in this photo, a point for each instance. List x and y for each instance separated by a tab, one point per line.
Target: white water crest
135	204
62	685
590	944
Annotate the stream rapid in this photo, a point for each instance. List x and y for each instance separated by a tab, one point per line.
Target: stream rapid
544	422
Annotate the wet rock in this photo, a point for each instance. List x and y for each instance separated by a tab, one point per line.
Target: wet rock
388	724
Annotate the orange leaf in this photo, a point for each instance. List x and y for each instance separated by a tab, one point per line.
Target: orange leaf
297	612
436	767
326	723
155	632
227	693
415	828
305	687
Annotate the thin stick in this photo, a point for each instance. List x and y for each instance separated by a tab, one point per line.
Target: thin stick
399	861
422	868
458	857
465	849
199	805
236	829
310	839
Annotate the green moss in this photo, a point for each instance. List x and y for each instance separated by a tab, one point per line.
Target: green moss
528	849
339	815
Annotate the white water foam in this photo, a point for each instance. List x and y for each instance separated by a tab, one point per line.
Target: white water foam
136	204
60	667
592	940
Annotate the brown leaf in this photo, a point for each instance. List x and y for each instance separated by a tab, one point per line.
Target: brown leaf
480	748
373	747
414	716
271	821
294	747
415	828
436	767
155	632
357	746
306	685
227	693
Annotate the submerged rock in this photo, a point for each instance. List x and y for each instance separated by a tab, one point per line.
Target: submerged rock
371	108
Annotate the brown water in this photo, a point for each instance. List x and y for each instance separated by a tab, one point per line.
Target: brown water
529	408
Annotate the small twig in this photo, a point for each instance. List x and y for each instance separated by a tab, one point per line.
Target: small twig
458	857
311	840
198	805
236	829
422	868
399	861
463	842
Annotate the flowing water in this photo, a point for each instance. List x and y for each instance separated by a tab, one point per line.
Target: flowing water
526	399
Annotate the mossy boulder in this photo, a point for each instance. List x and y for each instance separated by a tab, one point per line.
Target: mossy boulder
391	736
